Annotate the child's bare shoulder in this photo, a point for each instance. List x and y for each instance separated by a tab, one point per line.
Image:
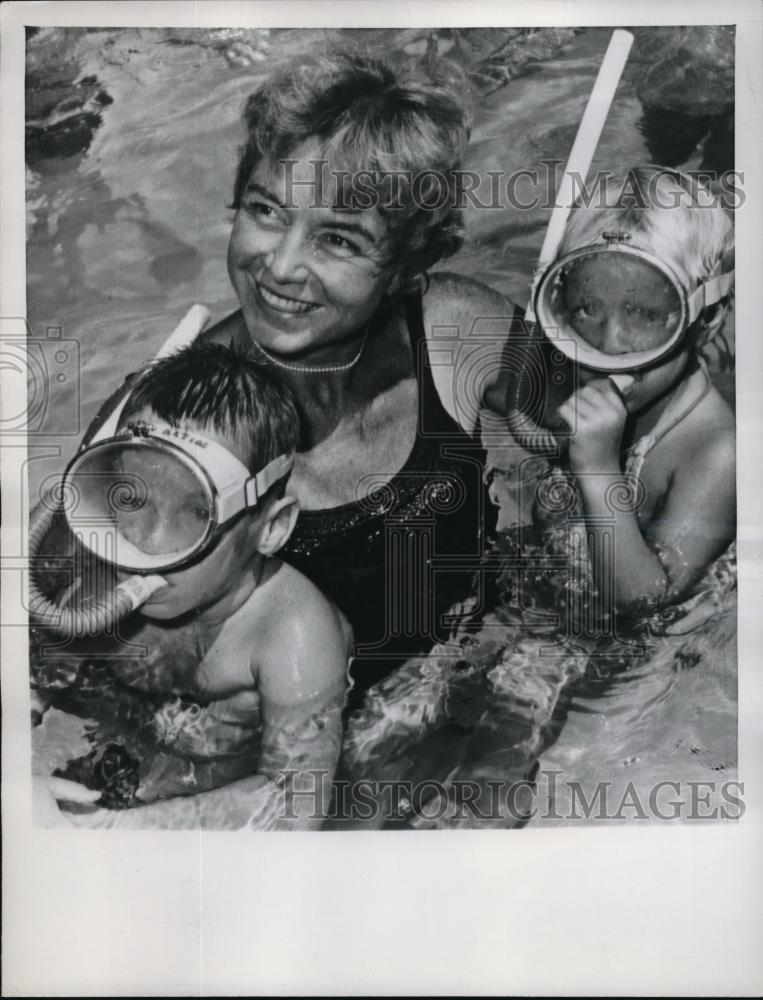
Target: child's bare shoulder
713	431
296	602
705	448
299	626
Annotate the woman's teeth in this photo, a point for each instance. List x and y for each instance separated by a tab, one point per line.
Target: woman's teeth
284	304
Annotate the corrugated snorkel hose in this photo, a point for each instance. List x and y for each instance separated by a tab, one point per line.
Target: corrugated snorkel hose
127	596
99	617
526	432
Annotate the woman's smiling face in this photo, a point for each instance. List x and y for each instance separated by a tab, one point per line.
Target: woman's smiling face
308	273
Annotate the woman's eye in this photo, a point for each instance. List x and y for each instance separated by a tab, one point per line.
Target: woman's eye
261	210
340	245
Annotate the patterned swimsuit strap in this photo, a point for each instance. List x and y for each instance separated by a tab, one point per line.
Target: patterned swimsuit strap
668	421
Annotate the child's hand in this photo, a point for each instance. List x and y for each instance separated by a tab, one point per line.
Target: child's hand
596	416
48	791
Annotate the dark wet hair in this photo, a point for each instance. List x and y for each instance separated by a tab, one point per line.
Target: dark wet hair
378	118
217	386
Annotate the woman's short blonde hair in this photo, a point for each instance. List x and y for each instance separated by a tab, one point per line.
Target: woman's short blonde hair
403	121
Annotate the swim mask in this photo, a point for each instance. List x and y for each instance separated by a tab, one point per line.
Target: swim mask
154	497
613	307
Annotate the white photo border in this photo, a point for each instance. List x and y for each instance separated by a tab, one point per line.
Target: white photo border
622	910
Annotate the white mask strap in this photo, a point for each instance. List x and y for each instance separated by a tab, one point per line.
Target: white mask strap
709	292
258	485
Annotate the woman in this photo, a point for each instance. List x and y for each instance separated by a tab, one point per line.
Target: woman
346	193
328	256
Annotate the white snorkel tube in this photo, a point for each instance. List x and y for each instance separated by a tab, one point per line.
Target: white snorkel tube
582	152
131	593
526	432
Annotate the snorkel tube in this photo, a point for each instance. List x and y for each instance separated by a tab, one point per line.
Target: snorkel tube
131	593
524	429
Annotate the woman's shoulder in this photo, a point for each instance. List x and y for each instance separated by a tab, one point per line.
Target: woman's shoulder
454	298
467	325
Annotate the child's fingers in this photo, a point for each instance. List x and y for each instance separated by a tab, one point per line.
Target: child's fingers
605	392
593	405
71	791
585	408
578	411
597	393
599	384
587	403
567	413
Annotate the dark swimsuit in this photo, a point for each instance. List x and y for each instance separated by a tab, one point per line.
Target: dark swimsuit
396	560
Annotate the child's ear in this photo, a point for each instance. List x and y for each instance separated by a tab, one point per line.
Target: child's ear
711	322
277	525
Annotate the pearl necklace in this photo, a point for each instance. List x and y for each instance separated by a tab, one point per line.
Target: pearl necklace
316	369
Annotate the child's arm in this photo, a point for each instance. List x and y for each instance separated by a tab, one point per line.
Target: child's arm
302	683
693	527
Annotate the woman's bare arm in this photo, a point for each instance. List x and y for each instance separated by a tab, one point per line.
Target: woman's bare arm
467	324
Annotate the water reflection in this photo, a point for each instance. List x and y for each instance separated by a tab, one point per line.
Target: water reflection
132	148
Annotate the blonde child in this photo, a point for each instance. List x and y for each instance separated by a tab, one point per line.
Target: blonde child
639	288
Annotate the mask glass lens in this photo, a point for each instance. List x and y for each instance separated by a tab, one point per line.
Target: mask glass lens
153	500
614	302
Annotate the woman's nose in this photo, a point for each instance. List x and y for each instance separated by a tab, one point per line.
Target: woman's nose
285	260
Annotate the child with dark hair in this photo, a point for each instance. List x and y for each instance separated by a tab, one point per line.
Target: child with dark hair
224	390
246	657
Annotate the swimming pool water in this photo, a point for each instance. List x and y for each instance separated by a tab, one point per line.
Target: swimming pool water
124	234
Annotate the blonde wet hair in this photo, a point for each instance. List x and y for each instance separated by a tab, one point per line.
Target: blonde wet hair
389	119
671	215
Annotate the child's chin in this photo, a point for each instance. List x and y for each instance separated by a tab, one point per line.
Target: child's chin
161	611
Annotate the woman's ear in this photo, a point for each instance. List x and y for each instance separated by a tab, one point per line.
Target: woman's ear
405	284
277	524
393	288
